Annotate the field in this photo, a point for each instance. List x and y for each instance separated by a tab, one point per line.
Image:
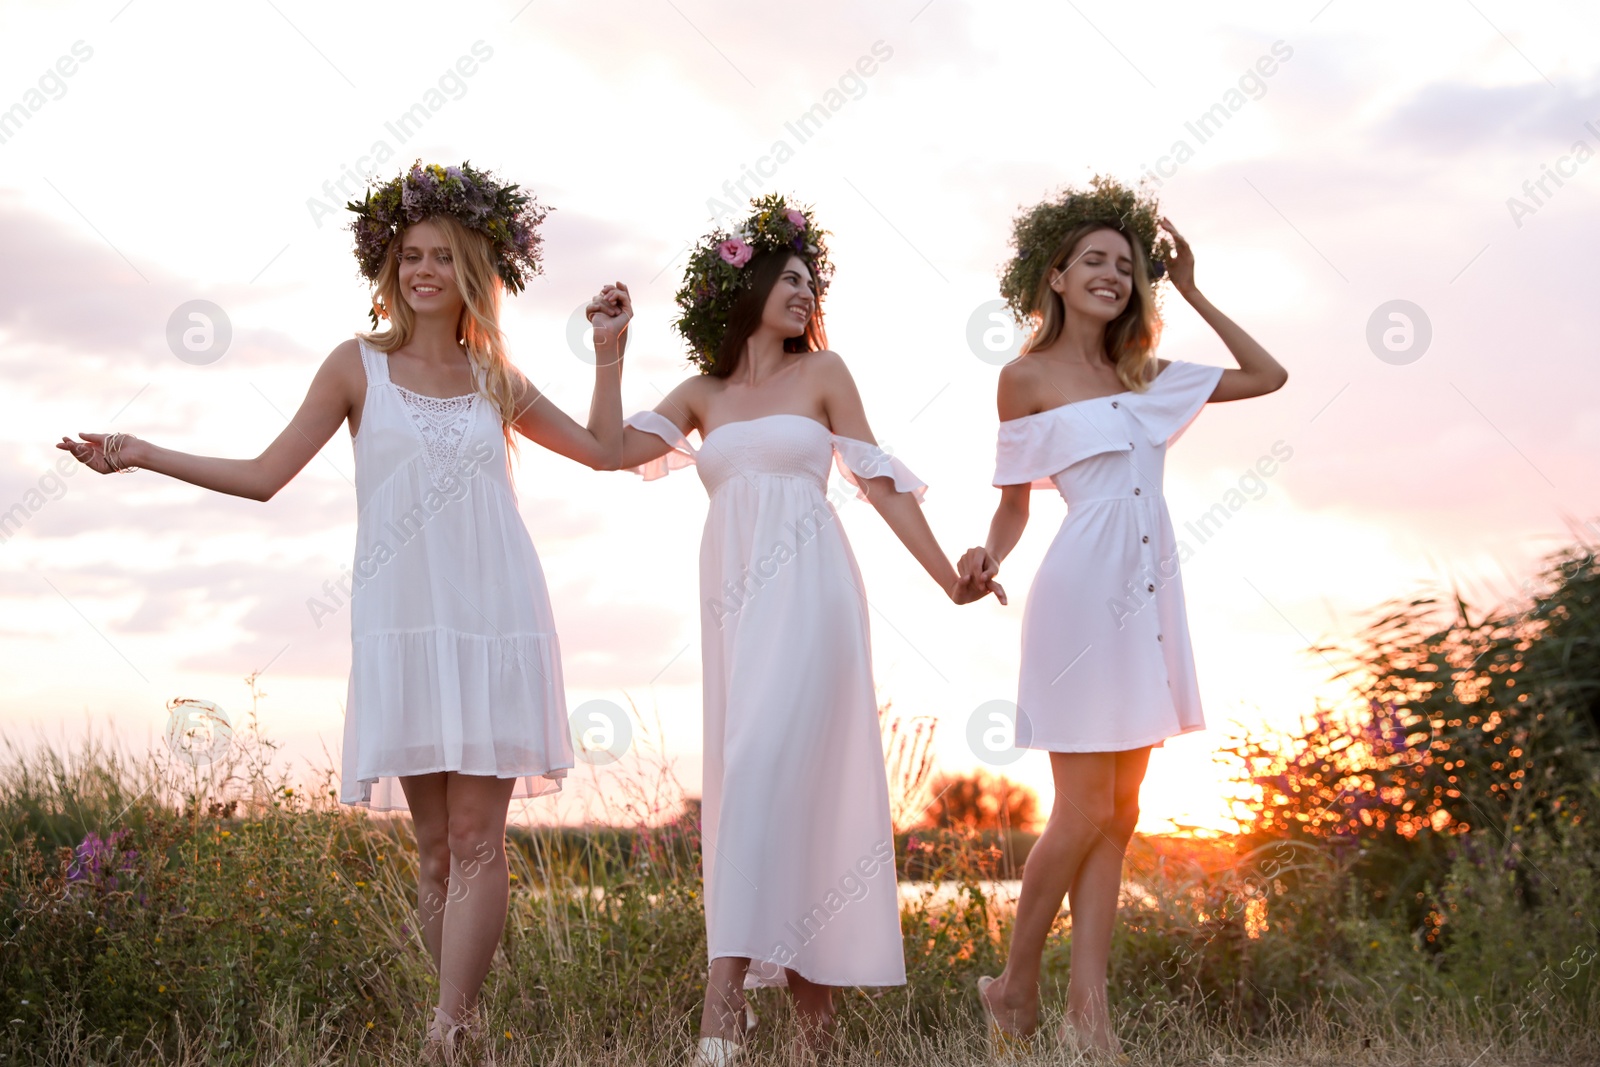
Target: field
1416	884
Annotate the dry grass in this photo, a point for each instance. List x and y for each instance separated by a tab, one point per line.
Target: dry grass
1337	1034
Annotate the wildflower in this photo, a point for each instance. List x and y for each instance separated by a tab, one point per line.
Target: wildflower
508	1035
369	1024
161	989
227	833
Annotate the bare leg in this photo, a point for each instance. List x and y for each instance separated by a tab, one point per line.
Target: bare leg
723	1013
1083	805
1094	896
479	891
813	1004
425	796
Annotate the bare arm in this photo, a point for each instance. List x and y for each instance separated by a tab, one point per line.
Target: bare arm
597	443
1014	399
1258	372
1010	519
339	384
848	418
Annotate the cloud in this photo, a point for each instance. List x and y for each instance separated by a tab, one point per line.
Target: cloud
1455	118
61	292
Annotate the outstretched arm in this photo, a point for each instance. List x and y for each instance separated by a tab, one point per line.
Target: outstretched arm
340	381
1258	372
848	418
597	443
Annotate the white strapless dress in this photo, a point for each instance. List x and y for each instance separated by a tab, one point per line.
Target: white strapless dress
798	848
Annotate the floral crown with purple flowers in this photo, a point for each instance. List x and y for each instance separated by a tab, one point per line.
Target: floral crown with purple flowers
502	212
1038	232
716	276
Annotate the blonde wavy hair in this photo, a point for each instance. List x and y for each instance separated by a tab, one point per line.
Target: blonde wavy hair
1130	338
472	257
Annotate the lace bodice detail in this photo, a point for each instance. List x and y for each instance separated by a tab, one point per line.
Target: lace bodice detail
442	423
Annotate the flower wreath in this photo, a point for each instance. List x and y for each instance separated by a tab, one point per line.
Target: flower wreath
716	276
1038	232
502	212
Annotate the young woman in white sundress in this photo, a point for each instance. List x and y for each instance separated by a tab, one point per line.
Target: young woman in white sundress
797	848
456	704
1107	671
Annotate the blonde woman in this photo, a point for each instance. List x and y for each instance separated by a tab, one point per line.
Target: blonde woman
1107	672
456	703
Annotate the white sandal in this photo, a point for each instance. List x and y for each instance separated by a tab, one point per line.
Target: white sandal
446	1036
724	1051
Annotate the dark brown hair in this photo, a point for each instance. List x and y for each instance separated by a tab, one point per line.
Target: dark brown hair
744	318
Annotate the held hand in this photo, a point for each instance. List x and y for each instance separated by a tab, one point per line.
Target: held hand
609	313
101	453
1180	263
977	561
975	573
974	589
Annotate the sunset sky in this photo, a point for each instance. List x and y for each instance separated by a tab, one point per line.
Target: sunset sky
1324	158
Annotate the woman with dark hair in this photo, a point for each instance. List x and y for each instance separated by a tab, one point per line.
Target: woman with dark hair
1107	672
797	847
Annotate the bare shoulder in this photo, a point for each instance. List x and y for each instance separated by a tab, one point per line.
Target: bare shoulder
343	364
1018	389
824	363
346	353
685	405
826	367
1158	368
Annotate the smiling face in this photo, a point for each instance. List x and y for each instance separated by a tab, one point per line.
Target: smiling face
792	300
427	271
1098	277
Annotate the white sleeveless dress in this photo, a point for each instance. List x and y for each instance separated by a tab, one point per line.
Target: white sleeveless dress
454	664
1106	660
797	846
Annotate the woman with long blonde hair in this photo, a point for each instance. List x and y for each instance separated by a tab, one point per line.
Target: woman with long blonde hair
456	703
1107	672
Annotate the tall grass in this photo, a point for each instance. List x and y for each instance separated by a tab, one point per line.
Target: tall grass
155	912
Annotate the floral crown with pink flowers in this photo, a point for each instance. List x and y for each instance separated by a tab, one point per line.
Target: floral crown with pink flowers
716	276
500	211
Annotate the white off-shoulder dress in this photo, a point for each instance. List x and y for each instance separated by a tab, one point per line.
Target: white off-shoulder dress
454	663
1106	660
797	846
